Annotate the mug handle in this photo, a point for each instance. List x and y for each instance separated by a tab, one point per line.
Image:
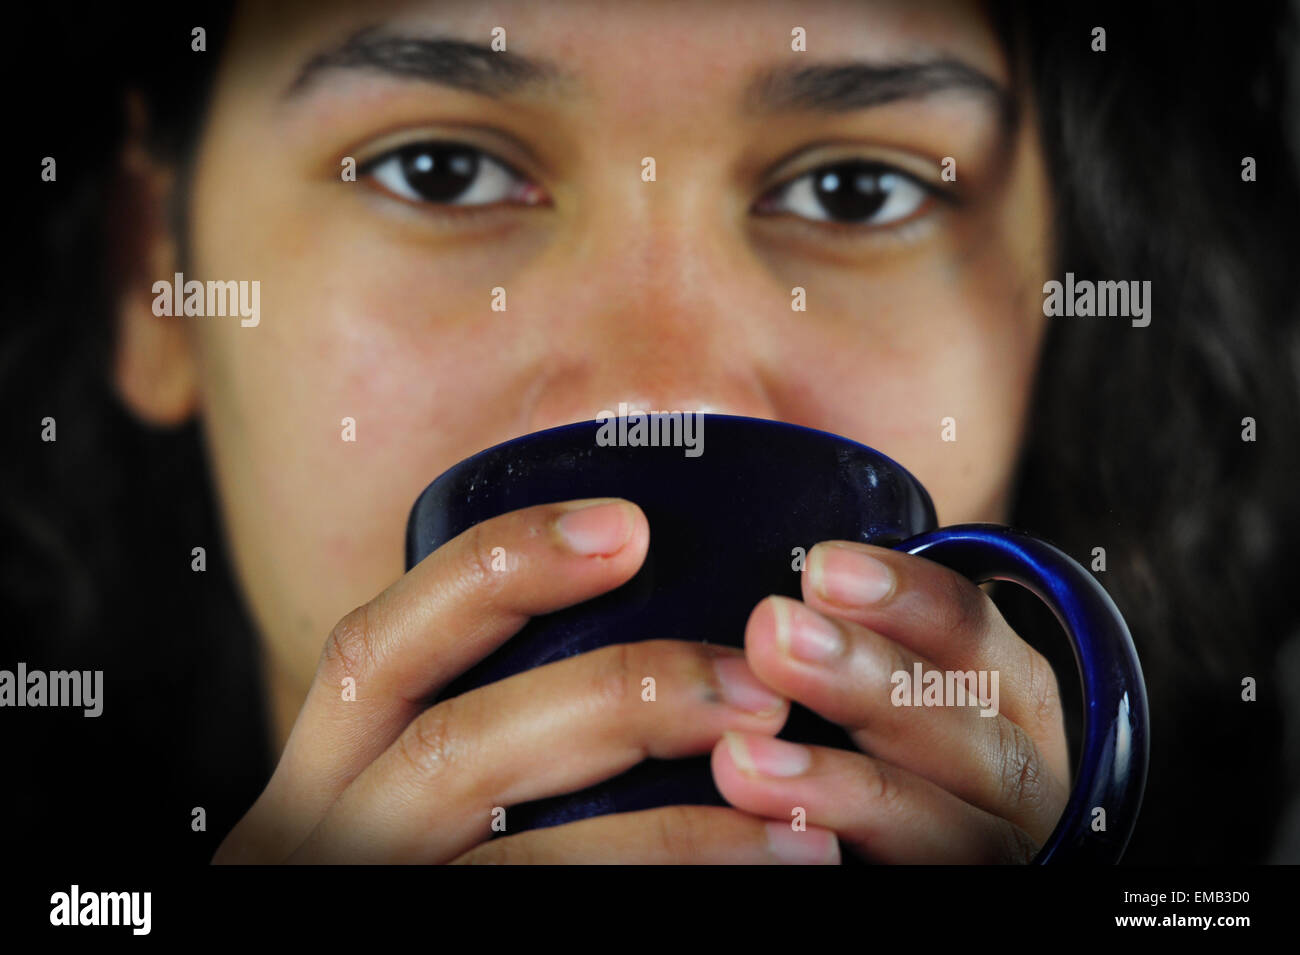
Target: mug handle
1113	761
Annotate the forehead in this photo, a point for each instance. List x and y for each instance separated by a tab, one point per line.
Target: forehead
633	48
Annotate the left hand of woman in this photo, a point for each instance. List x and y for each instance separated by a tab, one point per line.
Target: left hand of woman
983	782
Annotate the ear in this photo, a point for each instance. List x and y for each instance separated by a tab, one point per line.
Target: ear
154	369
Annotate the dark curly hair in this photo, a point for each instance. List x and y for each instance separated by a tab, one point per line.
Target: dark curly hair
1135	443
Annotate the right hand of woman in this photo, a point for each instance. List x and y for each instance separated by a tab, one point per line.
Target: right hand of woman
386	778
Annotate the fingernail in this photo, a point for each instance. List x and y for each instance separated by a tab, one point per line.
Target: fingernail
597	527
804	634
766	756
810	847
742	689
848	577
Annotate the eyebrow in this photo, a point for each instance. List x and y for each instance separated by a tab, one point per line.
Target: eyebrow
477	68
445	61
842	87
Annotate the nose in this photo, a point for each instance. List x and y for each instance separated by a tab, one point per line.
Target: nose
678	320
645	377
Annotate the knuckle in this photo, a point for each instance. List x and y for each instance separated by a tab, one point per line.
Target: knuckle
509	850
1016	846
1019	769
963	609
882	804
882	787
476	570
428	746
677	834
617	678
1044	691
350	649
897	660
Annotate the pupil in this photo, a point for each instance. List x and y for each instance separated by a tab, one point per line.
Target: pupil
439	173
850	191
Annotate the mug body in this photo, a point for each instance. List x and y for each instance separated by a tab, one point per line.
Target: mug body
733	505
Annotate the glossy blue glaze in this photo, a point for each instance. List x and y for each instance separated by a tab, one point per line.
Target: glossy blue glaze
723	529
1113	762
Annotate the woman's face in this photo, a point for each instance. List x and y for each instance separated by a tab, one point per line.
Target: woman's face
922	294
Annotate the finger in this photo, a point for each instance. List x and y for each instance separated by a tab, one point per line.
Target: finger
879	811
445	614
864	681
673	835
555	729
941	616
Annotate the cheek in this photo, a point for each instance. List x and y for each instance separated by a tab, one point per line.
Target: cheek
935	372
323	440
310	513
317	504
934	362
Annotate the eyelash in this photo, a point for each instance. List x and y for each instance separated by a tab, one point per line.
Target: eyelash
396	162
879	174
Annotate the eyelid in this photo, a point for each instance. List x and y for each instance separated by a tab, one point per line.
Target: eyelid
534	195
504	148
365	166
932	191
850	239
924	171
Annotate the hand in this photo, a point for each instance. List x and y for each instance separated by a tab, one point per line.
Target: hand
933	784
385	778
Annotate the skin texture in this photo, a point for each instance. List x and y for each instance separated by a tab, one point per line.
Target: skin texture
672	294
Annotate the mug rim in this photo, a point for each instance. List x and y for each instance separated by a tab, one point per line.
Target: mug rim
415	522
773	423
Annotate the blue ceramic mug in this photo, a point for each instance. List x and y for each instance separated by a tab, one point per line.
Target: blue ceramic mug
728	500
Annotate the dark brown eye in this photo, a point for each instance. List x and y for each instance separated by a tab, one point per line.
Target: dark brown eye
850	191
854	191
445	174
